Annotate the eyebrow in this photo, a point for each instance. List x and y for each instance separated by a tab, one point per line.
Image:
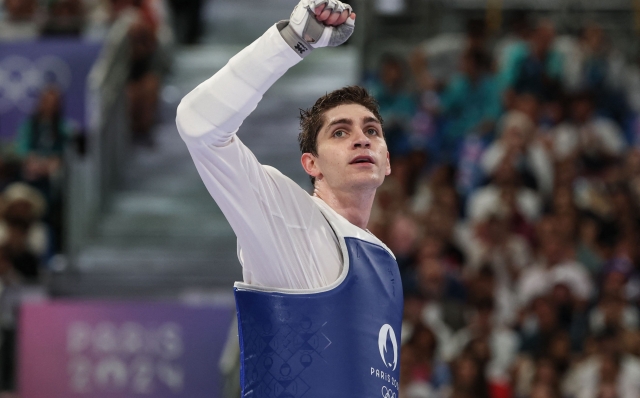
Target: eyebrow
347	121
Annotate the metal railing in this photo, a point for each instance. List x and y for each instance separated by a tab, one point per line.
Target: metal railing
92	178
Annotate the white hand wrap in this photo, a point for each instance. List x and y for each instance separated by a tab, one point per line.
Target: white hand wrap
303	32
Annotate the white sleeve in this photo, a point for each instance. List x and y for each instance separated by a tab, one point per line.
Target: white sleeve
213	111
284	240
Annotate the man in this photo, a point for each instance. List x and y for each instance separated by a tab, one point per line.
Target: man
320	308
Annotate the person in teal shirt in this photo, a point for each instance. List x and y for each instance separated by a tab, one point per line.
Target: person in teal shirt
45	133
397	104
532	67
470	103
40	145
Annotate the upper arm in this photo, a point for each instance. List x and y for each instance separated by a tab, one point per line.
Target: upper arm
212	112
284	238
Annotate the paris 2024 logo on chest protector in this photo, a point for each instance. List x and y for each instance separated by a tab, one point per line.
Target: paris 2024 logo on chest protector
388	347
386	334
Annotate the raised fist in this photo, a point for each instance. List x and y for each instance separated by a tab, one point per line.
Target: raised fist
318	23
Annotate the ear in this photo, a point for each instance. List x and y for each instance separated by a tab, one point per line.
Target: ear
310	165
388	170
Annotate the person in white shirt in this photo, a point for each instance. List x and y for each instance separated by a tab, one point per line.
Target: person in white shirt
594	138
303	254
283	239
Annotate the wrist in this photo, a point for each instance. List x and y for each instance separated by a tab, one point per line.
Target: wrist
297	43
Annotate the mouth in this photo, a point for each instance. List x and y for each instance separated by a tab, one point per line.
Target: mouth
362	159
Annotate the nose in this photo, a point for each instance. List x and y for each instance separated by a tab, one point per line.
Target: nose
361	140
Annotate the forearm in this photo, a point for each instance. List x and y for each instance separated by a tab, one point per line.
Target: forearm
213	111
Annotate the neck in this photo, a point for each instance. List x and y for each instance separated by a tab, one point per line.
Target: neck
354	206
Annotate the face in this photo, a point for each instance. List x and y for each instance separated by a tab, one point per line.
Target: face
545	34
49	102
466	372
352	153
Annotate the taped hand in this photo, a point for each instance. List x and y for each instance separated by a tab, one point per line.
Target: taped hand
318	23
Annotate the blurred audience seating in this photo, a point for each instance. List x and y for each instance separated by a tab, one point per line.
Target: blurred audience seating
513	208
49	163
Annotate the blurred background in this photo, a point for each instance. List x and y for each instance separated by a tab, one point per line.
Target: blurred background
513	206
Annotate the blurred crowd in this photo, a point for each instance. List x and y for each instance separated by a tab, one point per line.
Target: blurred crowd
32	166
150	35
513	208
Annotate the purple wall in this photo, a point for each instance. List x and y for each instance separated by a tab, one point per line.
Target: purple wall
120	349
25	67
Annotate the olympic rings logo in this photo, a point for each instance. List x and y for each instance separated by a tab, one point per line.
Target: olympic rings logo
387	393
21	80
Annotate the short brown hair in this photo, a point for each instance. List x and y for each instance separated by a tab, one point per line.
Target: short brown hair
312	119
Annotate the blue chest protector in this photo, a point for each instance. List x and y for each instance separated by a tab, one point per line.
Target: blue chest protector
340	342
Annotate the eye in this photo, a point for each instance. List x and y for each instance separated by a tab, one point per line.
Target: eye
372	131
339	133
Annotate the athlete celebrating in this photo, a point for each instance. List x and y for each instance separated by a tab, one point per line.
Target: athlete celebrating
320	308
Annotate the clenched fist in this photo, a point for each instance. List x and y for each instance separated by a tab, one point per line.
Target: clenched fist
318	23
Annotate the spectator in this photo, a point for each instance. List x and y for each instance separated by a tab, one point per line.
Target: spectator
409	387
411	319
495	244
483	287
600	70
24	235
519	32
555	265
517	142
610	371
64	18
440	178
502	343
397	105
41	143
470	102
589	250
403	238
551	114
144	82
612	311
444	295
20	21
42	137
469	379
539	327
505	190
615	277
592	139
541	220
390	200
148	64
534	66
441	232
427	369
435	60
